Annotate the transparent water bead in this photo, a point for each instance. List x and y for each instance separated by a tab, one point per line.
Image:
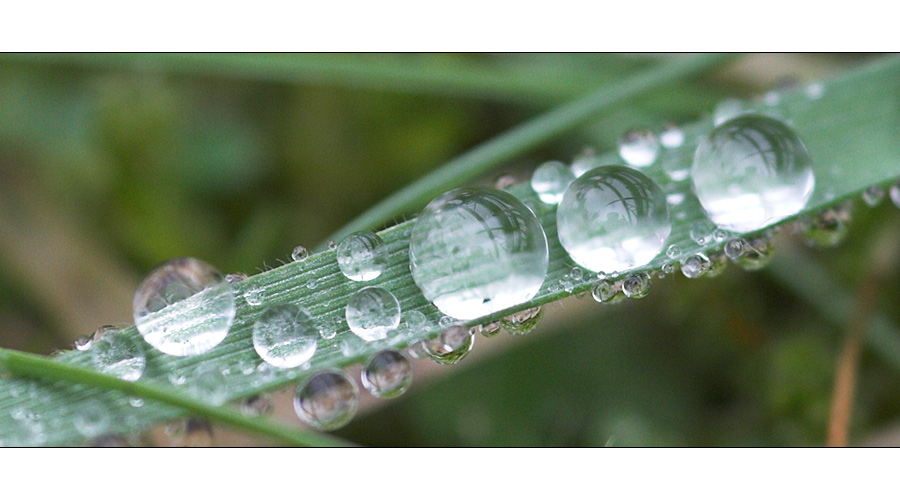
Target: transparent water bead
637	286
695	265
257	406
671	136
607	292
873	196
91	421
387	374
584	162
702	231
827	228
327	400
285	336
372	312
550	181
612	219
728	109
894	192
299	253
758	252
184	307
475	251
639	147
115	353
362	256
208	383
522	322
491	329
451	346
752	171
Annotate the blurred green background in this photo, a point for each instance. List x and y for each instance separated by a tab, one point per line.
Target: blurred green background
111	164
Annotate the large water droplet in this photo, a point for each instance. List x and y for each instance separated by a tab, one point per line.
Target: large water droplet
752	171
639	147
362	256
613	218
327	400
115	353
550	181
285	336
372	313
475	251
522	322
387	374
184	307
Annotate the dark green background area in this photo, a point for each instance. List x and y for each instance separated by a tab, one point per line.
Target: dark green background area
112	164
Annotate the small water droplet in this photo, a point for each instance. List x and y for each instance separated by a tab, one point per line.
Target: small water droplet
168	305
417	350
550	181
83	343
362	256
613	218
299	253
758	252
446	321
328	328
701	231
235	277
607	292
504	181
177	377
372	312
695	265
451	346
415	320
815	91
522	322
387	374
475	251
752	171
312	284
254	294
585	161
827	228
209	384
639	147
92	420
332	245
136	402
873	195
577	274
717	264
671	136
327	400
728	109
257	406
116	353
285	336
637	286
673	252
734	248
491	329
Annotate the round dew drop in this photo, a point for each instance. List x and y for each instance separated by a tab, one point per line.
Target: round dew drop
285	336
584	162
115	353
184	307
299	253
372	313
451	346
550	181
362	256
639	147
637	286
327	401
613	219
752	171
387	374
475	251
522	322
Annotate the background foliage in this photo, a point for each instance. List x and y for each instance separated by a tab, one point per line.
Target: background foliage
109	166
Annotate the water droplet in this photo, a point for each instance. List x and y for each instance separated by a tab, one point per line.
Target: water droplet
673	252
115	353
177	377
362	256
827	228
639	147
676	163
299	253
550	181
327	400
895	195
209	384
728	109
235	277
285	336
417	350
312	284
873	195
491	329
734	248
254	294
568	286
475	251
451	346
83	343
446	321
332	245
637	286
607	292
184	307
387	374
92	420
328	328
717	264
415	320
522	322
577	273
613	218
752	171
695	265
701	231
257	406
758	252
815	91
584	162
372	313
671	136
504	181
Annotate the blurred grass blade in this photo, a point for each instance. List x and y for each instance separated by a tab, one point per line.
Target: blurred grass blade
531	134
